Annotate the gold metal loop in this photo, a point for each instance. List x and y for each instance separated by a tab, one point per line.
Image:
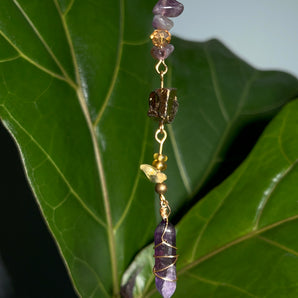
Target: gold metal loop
163	138
160	71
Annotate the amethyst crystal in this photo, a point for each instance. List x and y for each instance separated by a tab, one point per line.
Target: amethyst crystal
162	53
168	8
165	257
162	22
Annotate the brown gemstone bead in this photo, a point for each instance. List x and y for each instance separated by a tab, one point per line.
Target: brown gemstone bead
161	188
163	104
160	38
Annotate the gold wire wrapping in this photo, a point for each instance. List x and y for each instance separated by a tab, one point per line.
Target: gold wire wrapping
175	257
165	209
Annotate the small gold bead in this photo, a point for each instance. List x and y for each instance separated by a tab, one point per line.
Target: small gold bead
160	166
160	38
154	163
163	158
160	157
161	188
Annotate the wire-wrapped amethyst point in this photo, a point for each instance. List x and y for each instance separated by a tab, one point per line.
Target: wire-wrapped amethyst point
165	259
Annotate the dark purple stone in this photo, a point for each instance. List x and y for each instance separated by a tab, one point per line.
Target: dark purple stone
162	22
162	53
165	287
168	8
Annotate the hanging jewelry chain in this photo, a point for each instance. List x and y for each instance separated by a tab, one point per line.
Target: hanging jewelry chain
163	106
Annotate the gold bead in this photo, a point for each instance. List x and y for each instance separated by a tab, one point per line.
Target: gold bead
160	157
160	166
160	38
163	158
154	163
161	188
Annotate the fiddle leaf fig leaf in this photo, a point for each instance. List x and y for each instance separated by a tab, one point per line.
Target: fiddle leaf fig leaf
240	240
74	81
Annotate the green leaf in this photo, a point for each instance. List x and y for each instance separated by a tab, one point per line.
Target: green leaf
74	82
240	240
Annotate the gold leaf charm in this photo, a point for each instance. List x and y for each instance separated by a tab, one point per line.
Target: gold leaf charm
153	174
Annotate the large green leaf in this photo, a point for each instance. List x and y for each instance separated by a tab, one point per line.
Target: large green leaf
241	239
74	82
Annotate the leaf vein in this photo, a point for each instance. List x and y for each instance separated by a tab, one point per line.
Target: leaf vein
216	86
280	138
40	37
37	65
178	157
226	132
75	258
235	242
222	284
100	284
245	92
10	59
137	179
69	8
76	195
276	244
215	211
97	153
182	170
117	66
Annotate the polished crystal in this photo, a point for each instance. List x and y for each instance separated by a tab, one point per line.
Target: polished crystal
165	254
162	22
168	8
162	53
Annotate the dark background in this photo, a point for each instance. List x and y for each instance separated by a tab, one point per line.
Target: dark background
30	265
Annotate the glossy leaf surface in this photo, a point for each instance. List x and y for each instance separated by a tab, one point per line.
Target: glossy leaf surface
74	81
241	240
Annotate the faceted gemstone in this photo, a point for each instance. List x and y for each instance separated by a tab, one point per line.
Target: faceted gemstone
162	22
165	254
162	53
168	8
160	38
163	104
